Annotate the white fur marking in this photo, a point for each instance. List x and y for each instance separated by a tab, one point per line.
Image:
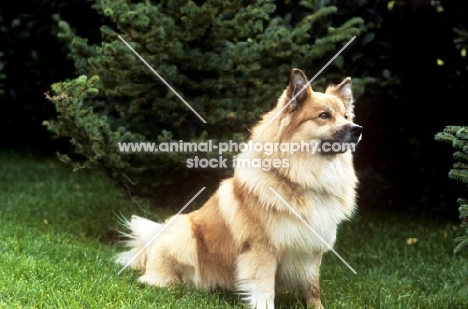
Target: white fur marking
316	234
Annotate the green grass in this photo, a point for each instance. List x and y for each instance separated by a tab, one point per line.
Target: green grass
56	250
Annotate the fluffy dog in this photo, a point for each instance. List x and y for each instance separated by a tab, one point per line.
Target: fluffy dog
245	237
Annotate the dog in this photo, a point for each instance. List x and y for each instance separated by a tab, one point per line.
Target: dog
251	235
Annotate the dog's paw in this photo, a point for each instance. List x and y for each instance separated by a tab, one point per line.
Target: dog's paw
267	303
155	280
315	304
264	305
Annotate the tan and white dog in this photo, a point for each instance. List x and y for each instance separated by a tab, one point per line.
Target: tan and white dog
246	238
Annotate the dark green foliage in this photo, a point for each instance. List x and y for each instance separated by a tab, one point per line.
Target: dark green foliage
33	59
229	60
400	164
458	137
2	76
462	40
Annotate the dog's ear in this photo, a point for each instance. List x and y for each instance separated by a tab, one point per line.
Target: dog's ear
343	91
297	82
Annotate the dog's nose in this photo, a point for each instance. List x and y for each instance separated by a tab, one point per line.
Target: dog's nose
356	131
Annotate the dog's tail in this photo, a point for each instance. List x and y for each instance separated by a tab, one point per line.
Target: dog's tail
141	233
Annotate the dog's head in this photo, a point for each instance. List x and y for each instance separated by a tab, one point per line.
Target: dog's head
324	118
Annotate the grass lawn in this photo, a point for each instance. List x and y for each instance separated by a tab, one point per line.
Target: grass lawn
56	251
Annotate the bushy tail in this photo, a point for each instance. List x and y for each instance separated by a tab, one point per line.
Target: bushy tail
141	233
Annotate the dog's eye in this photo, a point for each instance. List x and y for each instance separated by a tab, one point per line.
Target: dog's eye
325	116
346	116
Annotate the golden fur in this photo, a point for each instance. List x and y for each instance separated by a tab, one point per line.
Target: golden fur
245	237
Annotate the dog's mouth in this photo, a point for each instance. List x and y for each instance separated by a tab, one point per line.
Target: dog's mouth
343	140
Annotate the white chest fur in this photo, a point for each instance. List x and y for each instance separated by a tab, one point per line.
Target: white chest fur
315	233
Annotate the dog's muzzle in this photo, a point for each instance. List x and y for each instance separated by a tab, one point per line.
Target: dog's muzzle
343	140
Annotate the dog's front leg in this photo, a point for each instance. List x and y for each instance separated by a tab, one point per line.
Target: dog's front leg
256	270
312	287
